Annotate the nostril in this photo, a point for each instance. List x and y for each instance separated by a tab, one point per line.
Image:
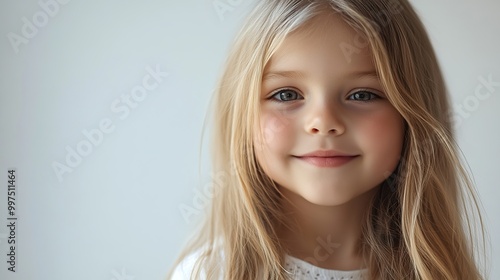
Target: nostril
326	132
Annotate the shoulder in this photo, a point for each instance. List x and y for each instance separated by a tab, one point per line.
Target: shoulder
185	268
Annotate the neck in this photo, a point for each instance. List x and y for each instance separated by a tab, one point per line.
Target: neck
325	236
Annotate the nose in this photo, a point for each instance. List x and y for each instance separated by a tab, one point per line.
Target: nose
325	119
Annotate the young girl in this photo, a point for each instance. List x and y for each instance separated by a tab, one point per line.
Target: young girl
335	152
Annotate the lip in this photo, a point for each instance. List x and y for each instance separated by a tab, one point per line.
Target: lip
326	153
327	158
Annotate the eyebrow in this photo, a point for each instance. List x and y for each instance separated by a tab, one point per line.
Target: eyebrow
283	74
297	75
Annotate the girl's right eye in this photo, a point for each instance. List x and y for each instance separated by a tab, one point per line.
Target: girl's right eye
286	95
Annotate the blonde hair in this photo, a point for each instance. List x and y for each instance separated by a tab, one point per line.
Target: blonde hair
421	223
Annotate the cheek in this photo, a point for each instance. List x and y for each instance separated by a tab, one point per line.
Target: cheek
274	139
276	130
383	137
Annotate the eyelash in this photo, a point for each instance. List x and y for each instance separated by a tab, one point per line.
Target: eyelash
373	95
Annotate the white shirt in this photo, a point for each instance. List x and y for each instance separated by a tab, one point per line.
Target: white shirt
299	270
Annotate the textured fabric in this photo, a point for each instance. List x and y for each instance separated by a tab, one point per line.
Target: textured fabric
298	269
301	270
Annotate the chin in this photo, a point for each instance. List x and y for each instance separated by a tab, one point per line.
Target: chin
338	198
329	201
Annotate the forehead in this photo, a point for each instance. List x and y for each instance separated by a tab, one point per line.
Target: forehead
326	44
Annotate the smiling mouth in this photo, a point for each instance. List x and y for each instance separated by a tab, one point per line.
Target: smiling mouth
335	161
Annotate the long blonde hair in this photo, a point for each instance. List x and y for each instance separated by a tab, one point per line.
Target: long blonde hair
421	223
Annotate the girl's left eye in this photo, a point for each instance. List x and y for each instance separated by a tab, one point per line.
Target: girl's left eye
286	95
362	95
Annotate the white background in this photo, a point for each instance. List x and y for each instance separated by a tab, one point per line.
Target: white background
117	214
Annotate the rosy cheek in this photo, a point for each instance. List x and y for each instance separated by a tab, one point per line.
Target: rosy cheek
385	130
274	127
269	143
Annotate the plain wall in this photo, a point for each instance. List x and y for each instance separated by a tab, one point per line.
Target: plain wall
116	212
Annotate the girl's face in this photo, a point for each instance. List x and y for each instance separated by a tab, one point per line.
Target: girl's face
320	92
